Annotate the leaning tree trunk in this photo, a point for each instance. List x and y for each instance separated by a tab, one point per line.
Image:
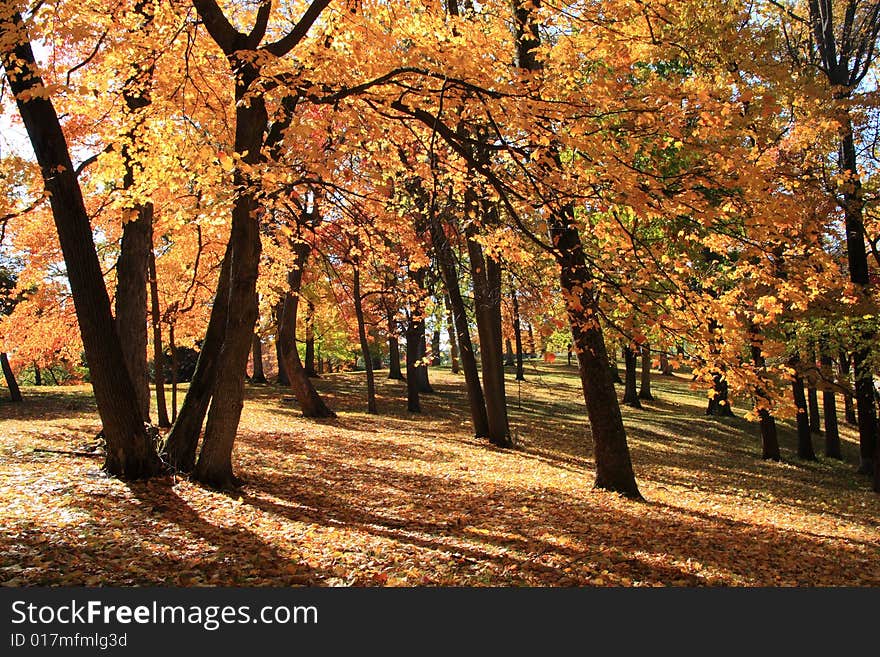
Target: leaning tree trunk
645	388
9	375
310	402
630	392
362	336
130	450
613	465
182	443
158	354
449	273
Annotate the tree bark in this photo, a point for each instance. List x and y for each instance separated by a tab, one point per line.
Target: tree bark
613	465
283	379
311	372
645	388
829	407
130	451
486	276
849	409
719	403
394	372
769	437
182	443
259	376
158	353
310	402
362	335
805	439
453	342
630	393
508	358
415	331
9	375
38	379
449	273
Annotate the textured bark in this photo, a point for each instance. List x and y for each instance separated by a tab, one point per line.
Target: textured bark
449	273
182	443
630	392
362	336
613	464
435	347
486	276
645	387
517	337
9	375
158	353
130	450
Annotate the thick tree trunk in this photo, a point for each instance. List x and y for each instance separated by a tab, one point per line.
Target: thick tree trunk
259	376
813	407
422	380
613	465
310	402
130	450
9	375
769	437
805	439
486	276
449	273
394	372
719	403
131	299
309	366
630	392
362	335
517	338
829	408
182	443
158	353
645	387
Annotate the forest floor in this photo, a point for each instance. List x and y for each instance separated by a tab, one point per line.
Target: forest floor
413	500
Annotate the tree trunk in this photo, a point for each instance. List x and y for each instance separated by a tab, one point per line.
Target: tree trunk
182	443
283	379
719	403
131	299
829	408
508	359
415	331
645	388
630	393
310	402
849	409
613	465
813	407
362	335
769	437
394	372
422	380
531	341
450	333
517	338
130	450
38	379
435	347
158	353
665	365
174	371
259	375
486	276
9	375
310	341
805	439
449	273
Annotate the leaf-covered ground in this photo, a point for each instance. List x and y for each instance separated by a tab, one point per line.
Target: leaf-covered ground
405	499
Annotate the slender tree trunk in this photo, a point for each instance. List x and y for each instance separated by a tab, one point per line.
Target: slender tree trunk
394	372
508	359
52	374
283	379
158	353
174	370
435	347
486	275
517	338
414	335
829	407
805	439
259	375
38	379
849	409
612	365
813	403
182	443
613	465
362	335
307	396
453	342
310	341
130	450
645	388
449	273
769	437
630	392
9	375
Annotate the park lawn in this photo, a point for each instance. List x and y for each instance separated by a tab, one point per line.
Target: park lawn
415	500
